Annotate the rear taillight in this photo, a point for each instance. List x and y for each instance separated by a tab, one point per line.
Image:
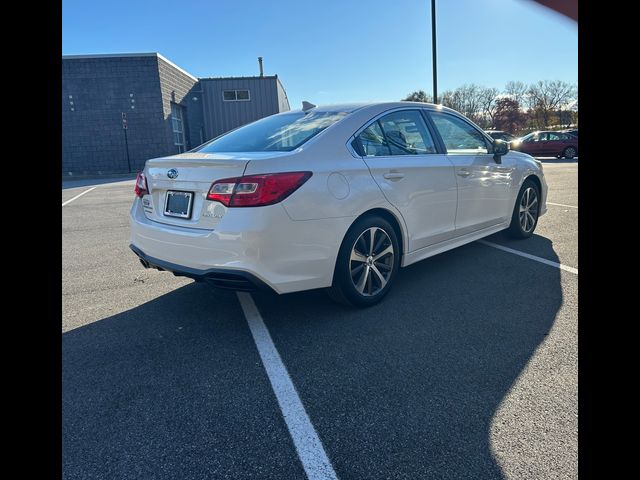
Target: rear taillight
141	185
256	190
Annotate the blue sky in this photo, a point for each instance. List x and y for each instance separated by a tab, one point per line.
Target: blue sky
333	51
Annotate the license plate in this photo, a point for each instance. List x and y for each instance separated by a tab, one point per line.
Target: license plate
178	204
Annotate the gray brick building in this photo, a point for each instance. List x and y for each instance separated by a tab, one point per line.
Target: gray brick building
165	109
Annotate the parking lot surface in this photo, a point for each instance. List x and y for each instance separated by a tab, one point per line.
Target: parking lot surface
467	369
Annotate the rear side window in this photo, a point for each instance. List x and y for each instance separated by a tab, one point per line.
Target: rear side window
373	142
555	136
398	133
459	137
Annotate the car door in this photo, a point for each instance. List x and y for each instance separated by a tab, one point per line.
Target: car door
555	143
402	156
533	144
484	186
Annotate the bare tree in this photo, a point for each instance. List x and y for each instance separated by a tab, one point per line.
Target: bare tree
419	96
488	103
464	99
548	96
547	102
516	91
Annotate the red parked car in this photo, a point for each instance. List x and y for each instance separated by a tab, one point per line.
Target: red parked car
546	144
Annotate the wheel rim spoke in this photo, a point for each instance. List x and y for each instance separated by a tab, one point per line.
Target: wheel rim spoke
357	256
372	237
379	244
531	219
363	279
384	252
383	281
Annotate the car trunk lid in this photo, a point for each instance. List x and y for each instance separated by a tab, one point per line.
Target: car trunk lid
178	186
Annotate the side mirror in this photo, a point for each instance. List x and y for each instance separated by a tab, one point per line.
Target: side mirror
500	147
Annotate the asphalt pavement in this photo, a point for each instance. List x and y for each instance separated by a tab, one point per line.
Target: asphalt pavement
467	369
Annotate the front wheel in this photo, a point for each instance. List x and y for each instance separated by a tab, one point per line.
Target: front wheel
526	211
367	263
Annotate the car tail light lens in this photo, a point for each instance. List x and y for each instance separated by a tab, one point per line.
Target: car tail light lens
256	190
141	185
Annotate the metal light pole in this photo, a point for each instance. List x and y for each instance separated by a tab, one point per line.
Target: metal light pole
433	48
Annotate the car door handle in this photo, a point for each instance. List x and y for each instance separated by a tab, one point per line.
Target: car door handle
464	173
393	176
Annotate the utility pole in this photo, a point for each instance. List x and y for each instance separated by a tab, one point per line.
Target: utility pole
433	48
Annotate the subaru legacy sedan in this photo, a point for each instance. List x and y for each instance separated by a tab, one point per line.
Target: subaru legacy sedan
338	197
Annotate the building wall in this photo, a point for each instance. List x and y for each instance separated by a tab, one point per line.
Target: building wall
92	135
221	116
180	87
97	90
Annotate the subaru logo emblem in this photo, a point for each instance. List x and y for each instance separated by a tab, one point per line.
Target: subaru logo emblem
173	173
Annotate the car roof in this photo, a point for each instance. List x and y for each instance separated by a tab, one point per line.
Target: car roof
352	107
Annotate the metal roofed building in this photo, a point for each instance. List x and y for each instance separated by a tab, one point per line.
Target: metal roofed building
119	110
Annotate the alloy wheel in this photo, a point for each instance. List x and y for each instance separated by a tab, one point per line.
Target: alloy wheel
528	209
371	261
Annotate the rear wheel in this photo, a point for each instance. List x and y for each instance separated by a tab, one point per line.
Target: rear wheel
526	211
569	153
367	263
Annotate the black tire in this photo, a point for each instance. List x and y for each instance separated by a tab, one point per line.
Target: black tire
516	228
344	288
570	152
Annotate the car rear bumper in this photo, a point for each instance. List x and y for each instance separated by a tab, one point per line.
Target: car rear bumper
218	277
249	248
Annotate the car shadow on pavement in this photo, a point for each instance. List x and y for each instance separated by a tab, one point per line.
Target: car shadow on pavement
174	388
409	388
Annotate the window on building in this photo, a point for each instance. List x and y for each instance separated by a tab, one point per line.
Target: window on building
177	124
236	95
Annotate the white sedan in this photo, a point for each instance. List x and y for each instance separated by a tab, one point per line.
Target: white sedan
340	196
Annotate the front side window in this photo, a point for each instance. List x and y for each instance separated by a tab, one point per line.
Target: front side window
541	137
407	133
459	137
277	133
554	136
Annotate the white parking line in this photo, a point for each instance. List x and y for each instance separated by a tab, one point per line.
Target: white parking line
561	205
308	445
78	196
531	257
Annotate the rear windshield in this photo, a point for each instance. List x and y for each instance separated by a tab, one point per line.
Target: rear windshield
277	133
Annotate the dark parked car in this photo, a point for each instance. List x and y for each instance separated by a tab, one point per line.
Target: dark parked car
500	135
545	144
